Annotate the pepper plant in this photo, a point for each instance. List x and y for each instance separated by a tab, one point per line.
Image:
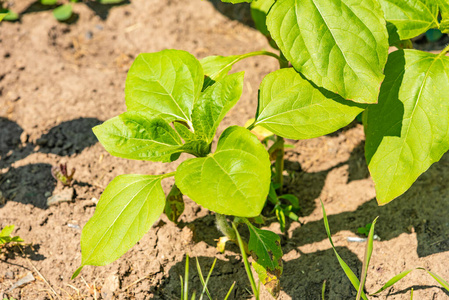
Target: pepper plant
334	64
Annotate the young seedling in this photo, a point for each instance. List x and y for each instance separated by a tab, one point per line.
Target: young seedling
6	240
205	291
6	14
359	285
175	104
61	174
364	230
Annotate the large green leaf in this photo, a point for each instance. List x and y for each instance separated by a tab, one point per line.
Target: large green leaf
214	103
340	45
265	248
292	107
140	136
411	17
217	67
127	209
409	129
232	181
166	83
444	10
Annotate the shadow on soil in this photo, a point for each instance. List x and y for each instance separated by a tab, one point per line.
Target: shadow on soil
294	281
28	184
240	12
423	210
101	10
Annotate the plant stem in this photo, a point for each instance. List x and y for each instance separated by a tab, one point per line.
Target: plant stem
279	163
444	51
282	61
168	175
223	226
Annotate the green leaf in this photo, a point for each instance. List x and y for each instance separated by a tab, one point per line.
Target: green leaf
411	17
236	1
265	248
351	276
232	181
8	15
292	199
49	2
214	103
292	107
6	231
63	12
259	12
166	83
408	130
184	132
438	278
217	67
127	209
367	258
246	263
174	204
139	136
392	281
444	11
340	45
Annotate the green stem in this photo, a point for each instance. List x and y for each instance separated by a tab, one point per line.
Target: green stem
444	51
224	227
257	53
168	175
283	62
279	163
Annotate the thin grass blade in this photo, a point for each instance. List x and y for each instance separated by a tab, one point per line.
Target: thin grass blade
247	267
323	290
186	279
229	292
182	287
411	294
440	280
393	281
368	253
351	276
204	282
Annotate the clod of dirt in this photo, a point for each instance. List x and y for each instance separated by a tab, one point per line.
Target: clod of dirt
111	285
66	195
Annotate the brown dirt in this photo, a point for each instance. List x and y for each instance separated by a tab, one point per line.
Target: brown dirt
58	80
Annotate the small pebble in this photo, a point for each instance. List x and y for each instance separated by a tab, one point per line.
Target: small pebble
9	275
47	194
88	35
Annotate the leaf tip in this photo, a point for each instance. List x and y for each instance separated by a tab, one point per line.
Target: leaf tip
77	272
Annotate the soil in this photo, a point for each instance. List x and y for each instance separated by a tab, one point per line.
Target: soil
58	80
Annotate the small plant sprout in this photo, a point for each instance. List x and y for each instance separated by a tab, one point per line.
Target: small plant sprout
6	239
204	282
359	285
364	230
61	174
